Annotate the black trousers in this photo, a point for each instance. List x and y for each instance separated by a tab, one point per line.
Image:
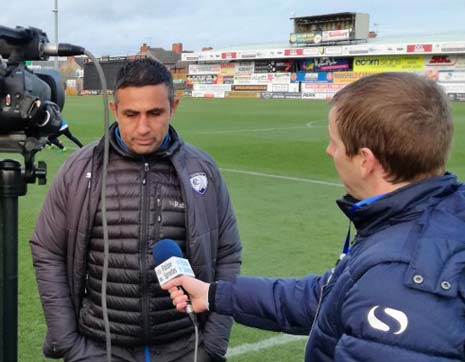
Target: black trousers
55	141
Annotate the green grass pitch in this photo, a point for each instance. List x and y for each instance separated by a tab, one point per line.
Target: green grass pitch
283	187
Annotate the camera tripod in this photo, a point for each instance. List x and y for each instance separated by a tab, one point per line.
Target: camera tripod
13	183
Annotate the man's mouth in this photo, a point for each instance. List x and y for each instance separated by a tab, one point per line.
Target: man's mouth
145	142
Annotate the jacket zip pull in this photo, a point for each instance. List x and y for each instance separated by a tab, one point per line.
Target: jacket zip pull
89	177
86	283
146	169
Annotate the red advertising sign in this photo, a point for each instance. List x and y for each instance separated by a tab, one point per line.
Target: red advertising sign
419	48
293	52
440	60
229	55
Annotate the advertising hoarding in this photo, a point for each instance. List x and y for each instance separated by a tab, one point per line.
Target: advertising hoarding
451	77
245	67
307	77
212	87
419	48
372	64
204	68
333	35
262	78
445	62
250	87
271	66
322	87
326	64
309	38
348	77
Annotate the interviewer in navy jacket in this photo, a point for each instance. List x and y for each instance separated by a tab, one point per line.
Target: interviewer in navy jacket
398	291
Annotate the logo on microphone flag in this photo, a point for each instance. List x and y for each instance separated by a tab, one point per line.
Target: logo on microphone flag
172	268
199	182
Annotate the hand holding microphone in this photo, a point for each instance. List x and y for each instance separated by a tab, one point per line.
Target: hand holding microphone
197	293
171	265
175	274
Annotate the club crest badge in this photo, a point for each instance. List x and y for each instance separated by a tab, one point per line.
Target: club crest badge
199	182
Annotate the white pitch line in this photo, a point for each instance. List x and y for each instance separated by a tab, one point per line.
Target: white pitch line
252	130
311	124
253	173
317	124
266	343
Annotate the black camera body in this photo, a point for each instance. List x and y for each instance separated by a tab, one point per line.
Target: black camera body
26	96
22	94
30	102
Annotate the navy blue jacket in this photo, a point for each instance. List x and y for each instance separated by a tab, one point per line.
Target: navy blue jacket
398	296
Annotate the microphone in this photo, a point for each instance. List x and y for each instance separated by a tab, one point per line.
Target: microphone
170	264
62	49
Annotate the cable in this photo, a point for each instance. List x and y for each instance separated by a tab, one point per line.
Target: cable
106	247
196	329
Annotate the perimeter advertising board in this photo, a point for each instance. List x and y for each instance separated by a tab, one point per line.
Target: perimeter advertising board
325	64
389	64
204	68
320	90
348	77
445	62
309	77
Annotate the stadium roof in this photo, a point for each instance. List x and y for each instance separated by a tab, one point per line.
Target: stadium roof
409	44
324	16
408	38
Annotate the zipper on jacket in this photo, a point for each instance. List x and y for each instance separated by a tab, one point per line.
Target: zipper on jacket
317	312
186	216
158	214
146	169
85	277
143	242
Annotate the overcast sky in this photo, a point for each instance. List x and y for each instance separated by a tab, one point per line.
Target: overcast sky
119	27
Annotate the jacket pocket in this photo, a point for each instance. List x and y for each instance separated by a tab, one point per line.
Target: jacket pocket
53	350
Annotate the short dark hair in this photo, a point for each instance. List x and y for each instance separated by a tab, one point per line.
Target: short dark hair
403	118
143	72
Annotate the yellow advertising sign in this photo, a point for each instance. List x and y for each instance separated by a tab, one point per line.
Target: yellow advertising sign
241	95
389	64
228	69
348	77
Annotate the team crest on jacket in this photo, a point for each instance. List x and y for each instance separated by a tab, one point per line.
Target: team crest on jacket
199	182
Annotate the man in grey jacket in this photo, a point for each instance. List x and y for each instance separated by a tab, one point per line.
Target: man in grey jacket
157	187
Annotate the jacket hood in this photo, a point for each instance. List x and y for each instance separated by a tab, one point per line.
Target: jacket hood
401	205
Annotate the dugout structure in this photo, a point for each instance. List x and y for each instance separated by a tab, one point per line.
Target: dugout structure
110	66
329	29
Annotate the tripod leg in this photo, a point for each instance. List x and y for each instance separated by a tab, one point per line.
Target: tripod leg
11	186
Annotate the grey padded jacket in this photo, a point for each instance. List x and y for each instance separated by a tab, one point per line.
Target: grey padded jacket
60	240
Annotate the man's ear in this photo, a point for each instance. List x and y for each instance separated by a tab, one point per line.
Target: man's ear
174	105
114	108
368	162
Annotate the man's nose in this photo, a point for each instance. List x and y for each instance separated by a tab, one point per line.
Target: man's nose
143	125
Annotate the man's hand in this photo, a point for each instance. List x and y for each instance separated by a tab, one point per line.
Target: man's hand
198	293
